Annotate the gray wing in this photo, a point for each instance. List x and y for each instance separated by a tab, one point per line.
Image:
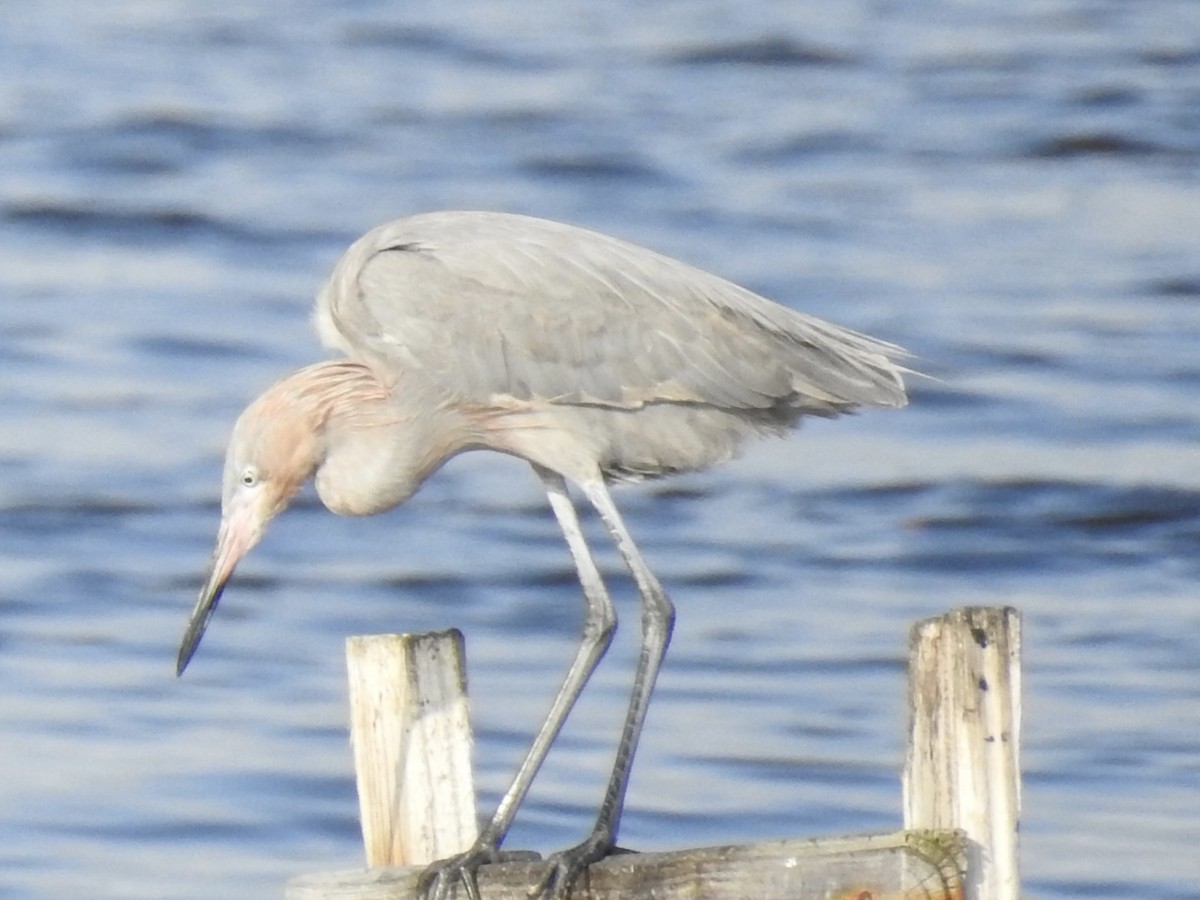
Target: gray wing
496	305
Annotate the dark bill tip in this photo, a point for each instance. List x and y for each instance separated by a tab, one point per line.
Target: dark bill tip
205	607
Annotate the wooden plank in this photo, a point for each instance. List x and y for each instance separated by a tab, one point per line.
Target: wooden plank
963	765
901	866
412	746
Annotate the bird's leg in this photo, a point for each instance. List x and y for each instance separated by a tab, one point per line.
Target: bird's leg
600	621
658	619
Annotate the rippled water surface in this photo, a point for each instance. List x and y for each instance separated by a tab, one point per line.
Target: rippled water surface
1008	189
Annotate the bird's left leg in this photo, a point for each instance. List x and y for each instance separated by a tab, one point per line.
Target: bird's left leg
658	619
600	621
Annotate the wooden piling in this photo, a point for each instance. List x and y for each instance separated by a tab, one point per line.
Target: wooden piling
412	746
963	764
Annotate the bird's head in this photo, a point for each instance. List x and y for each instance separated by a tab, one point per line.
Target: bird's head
272	452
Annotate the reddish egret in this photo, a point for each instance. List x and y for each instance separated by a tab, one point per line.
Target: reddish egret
593	359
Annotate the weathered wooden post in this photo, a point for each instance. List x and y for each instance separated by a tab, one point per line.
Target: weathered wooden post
411	736
963	766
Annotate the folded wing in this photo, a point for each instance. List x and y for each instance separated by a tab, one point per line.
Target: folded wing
491	305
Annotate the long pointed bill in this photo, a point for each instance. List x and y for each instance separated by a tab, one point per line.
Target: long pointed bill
239	532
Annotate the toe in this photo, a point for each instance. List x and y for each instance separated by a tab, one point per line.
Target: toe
565	867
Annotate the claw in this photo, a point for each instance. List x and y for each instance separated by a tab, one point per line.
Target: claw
438	879
564	867
561	869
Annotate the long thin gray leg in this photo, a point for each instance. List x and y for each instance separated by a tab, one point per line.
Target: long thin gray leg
599	624
658	619
600	621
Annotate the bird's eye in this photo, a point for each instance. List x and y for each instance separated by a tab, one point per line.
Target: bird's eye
249	478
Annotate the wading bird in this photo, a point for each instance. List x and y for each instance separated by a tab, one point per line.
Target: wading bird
594	360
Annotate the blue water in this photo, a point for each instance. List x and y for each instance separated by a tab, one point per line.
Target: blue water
1009	189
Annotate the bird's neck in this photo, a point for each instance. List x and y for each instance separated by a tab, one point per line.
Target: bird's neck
379	442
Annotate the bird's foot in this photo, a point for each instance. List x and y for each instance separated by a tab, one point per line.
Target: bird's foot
564	867
439	878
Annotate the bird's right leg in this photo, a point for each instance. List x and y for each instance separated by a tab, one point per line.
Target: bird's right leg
599	624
